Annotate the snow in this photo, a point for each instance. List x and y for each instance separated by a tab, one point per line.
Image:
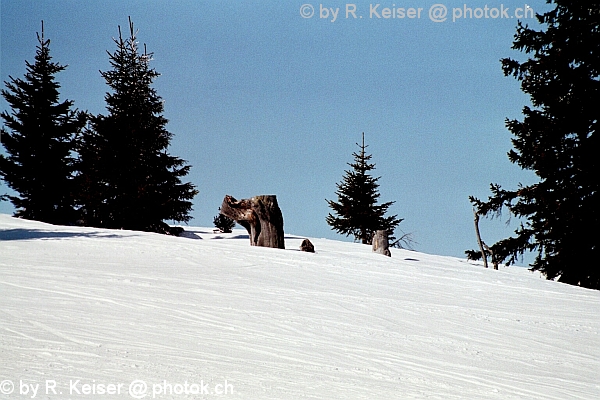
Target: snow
93	313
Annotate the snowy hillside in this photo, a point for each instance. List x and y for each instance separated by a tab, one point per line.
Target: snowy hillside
91	313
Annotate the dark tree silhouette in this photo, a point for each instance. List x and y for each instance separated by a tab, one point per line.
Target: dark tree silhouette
356	210
558	140
128	180
223	223
39	137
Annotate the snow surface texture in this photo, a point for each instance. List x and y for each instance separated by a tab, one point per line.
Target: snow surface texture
84	306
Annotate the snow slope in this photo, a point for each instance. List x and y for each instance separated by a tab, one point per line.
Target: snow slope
91	313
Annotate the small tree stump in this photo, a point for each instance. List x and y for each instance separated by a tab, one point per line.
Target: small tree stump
261	217
381	244
307	246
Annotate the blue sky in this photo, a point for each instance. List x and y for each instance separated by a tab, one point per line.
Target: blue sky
264	101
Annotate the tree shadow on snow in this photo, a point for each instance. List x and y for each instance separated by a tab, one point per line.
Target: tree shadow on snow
247	237
232	237
189	235
29	234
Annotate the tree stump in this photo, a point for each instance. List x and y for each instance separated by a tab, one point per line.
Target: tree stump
307	246
381	244
261	217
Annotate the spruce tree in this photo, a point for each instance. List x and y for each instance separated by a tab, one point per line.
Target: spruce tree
223	223
39	137
128	180
558	140
356	210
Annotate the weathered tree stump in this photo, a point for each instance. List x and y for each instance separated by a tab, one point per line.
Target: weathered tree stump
307	246
261	217
381	244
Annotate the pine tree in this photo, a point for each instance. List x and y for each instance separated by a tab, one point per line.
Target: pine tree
128	180
39	141
357	211
558	140
223	223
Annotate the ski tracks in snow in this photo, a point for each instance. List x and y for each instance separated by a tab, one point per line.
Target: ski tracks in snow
79	303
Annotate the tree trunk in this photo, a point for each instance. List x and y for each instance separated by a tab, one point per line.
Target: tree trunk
489	250
261	217
483	255
380	243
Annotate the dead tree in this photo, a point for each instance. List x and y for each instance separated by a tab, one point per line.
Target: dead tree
479	241
261	217
380	243
492	255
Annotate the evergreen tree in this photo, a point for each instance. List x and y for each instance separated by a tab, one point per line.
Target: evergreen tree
39	140
223	223
357	211
558	140
128	180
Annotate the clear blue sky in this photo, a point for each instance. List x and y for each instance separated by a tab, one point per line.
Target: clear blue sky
264	101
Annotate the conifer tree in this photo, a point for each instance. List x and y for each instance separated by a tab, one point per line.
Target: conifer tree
558	140
357	211
224	223
39	137
128	180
